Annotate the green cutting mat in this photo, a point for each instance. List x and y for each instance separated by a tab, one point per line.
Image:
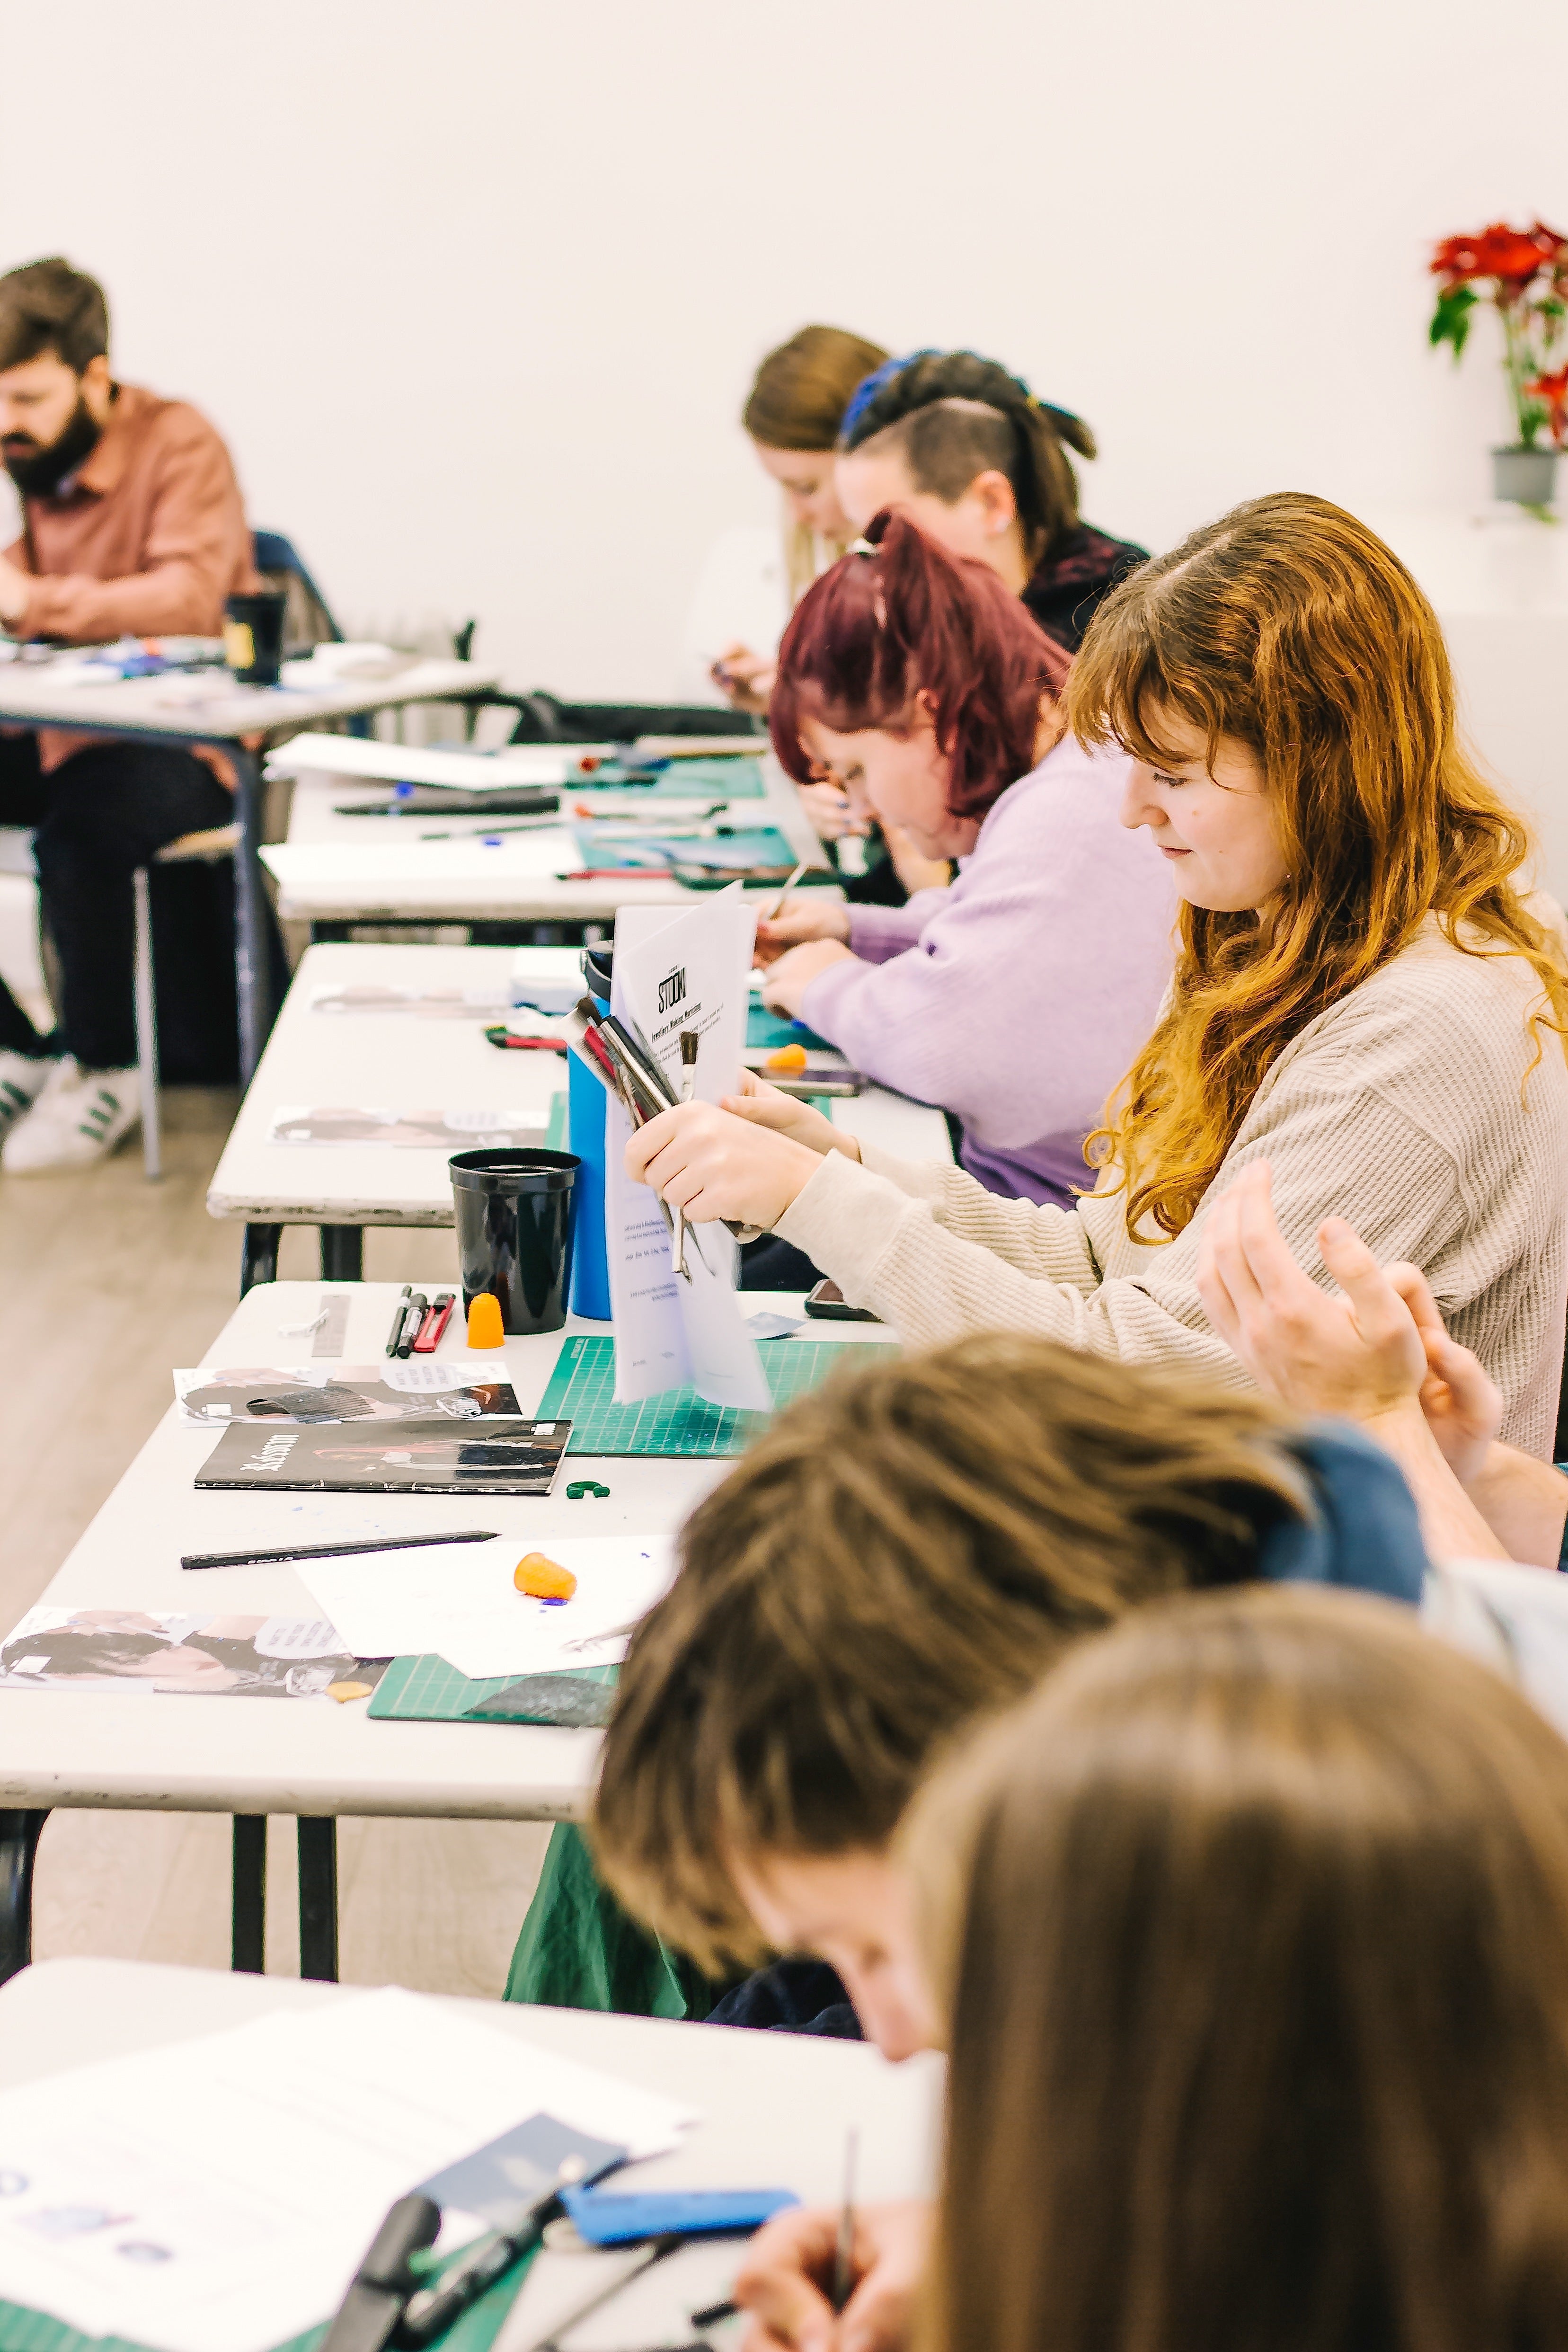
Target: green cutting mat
582	1390
771	1029
427	1690
555	1133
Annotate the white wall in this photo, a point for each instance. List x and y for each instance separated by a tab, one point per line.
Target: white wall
475	289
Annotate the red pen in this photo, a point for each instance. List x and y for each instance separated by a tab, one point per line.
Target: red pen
510	1042
438	1315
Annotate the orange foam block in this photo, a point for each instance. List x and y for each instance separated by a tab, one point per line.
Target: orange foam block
544	1579
485	1326
788	1057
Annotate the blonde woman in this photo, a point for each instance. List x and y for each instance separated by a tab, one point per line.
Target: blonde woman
1361	996
793	416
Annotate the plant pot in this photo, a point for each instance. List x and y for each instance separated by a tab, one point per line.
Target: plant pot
1527	477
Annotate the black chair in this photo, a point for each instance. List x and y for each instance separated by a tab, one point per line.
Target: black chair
543	718
308	619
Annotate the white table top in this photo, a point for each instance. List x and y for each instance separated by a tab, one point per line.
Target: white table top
466	881
407	1062
774	2108
166	1752
207	705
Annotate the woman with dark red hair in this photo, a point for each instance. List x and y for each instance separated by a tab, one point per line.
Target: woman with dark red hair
1016	997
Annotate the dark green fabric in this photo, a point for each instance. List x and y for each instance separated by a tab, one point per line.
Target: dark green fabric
579	1949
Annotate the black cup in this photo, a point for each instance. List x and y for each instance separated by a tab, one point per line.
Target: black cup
253	635
514	1232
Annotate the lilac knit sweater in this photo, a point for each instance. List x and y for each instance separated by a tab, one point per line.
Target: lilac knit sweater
1016	997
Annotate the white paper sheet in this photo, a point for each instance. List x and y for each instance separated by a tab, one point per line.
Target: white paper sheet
689	970
217	2196
534	855
459	1600
406	763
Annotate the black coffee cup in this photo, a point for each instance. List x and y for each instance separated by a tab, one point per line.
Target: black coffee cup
513	1211
253	635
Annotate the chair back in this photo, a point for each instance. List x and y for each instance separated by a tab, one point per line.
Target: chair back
308	617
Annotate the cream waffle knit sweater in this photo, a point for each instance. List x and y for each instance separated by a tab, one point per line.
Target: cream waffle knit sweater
1404	1108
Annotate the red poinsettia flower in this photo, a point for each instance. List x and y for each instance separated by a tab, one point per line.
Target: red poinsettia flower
1512	256
1553	391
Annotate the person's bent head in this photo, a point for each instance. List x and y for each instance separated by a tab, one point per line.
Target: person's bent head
793	412
1283	688
965	448
900	1553
55	384
918	683
1251	1932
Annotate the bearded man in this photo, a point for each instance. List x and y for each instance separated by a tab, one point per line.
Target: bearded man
133	526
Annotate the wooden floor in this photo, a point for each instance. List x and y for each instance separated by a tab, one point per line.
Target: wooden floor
100	1268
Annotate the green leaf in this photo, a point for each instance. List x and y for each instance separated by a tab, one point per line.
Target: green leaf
1451	319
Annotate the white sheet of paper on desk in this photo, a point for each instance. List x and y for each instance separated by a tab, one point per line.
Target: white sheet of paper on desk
406	764
673	972
217	2196
384	1127
534	856
459	1600
423	1003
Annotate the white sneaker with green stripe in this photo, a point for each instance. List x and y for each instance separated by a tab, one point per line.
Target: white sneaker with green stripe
23	1077
77	1119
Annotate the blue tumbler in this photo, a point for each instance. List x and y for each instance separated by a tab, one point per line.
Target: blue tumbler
585	1117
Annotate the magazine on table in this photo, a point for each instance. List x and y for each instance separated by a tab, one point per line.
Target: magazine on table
194	1653
417	1457
422	1389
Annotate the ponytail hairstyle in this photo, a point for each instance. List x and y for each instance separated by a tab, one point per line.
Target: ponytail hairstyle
798	401
899	617
950	415
1290	627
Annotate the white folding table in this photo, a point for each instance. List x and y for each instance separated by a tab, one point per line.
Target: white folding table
408	1061
242	722
481	872
158	1752
773	2109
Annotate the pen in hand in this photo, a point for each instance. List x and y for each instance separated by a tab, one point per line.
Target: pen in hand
843	2252
780	903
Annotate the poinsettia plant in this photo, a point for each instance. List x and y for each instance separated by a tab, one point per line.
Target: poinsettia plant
1523	273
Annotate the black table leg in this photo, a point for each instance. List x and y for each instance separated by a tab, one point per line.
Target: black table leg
252	966
342	1252
258	1255
20	1834
319	1897
249	1940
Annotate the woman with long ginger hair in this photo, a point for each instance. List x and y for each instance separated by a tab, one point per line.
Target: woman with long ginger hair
1252	1931
1362	996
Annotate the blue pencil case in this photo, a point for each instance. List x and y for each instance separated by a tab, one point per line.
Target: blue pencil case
606	2219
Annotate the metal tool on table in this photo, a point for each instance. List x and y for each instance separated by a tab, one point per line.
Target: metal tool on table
690	1040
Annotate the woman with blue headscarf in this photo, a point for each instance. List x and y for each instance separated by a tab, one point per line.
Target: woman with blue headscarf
968	452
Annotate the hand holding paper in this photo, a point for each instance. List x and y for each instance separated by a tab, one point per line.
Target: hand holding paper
689	974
